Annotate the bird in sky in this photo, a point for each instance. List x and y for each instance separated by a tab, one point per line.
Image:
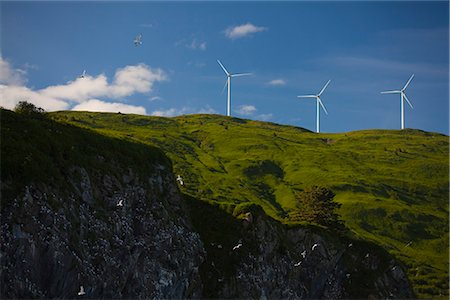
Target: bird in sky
81	292
138	40
237	246
83	74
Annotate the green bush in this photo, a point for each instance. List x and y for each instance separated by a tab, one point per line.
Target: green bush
26	108
316	205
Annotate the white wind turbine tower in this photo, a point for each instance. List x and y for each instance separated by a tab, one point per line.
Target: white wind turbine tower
319	102
402	98
228	83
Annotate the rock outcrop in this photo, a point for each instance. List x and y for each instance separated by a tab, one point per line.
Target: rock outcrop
104	218
275	261
143	247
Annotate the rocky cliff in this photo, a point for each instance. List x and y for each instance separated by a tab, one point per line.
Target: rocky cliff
82	210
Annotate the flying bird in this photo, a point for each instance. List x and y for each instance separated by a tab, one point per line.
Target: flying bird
180	180
409	244
314	247
81	292
237	246
83	74
120	203
298	264
138	40
304	254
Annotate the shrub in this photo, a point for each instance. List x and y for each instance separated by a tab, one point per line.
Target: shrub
26	108
316	205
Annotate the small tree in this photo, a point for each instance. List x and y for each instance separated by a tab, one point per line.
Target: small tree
316	204
27	108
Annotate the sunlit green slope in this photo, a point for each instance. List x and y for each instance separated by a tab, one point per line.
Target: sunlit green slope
393	185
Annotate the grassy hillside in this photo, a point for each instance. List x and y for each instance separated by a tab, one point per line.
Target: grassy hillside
393	185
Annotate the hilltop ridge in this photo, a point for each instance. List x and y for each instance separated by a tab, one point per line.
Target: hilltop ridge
392	184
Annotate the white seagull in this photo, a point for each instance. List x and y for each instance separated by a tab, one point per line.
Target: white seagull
314	246
298	264
81	292
304	254
237	246
138	40
82	75
180	180
120	203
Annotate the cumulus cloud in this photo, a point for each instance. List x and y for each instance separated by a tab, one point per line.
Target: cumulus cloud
82	91
241	31
10	76
246	110
277	82
102	106
10	95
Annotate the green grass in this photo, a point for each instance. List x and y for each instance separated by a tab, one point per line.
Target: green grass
393	185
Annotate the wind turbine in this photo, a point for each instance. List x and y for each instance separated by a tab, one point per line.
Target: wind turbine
228	82
402	97
319	102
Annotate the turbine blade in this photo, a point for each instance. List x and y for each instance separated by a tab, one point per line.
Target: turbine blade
406	98
223	68
323	89
241	74
391	92
404	88
323	106
226	82
307	96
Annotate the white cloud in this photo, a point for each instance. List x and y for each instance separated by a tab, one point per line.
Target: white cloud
79	90
246	110
197	45
154	98
277	82
10	76
207	110
131	79
242	31
11	95
127	81
264	117
102	106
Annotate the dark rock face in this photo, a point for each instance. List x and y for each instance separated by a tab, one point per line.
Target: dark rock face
51	245
276	262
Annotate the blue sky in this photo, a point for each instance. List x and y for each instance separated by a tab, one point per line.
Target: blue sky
292	48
